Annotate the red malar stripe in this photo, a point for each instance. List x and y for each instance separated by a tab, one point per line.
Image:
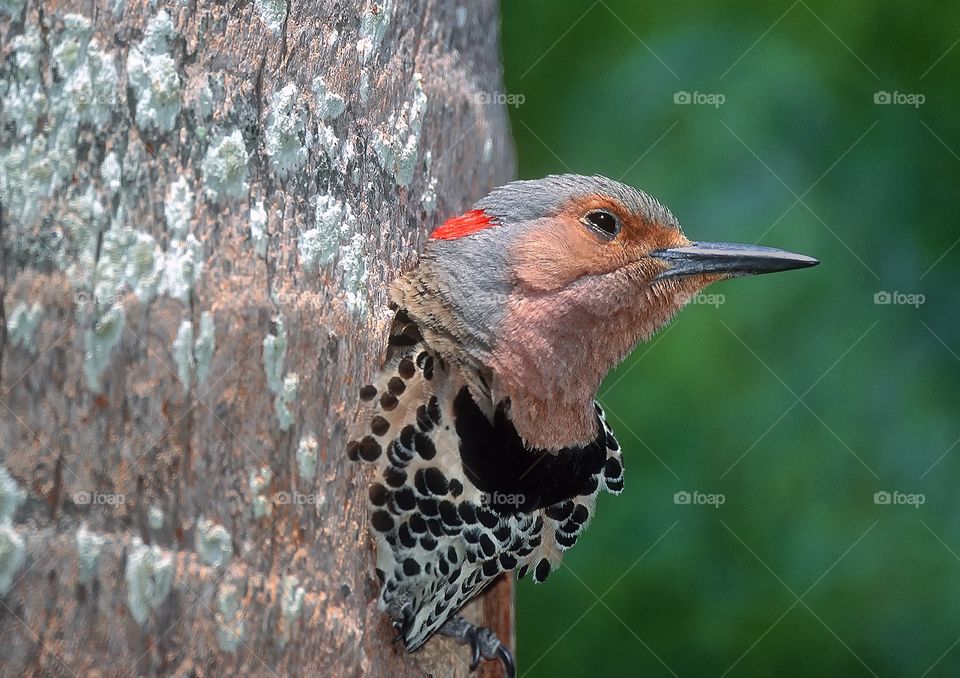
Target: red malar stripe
465	224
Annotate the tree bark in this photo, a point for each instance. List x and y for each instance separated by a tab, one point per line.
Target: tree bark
201	207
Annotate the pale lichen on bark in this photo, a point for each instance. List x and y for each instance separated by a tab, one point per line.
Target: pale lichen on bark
200	208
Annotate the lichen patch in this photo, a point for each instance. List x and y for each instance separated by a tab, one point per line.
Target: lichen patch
152	73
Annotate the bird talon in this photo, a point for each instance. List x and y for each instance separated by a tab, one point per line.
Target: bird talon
475	653
402	625
506	658
483	643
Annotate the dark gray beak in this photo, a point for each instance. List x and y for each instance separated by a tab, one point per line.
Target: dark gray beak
730	258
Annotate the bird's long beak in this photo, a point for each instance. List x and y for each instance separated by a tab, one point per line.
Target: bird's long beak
730	258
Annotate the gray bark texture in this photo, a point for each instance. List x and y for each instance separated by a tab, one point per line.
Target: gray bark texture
201	207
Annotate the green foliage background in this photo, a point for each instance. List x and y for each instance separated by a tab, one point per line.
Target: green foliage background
799	397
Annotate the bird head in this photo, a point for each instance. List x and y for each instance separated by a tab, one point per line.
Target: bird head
546	285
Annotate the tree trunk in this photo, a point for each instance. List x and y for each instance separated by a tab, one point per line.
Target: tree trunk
201	206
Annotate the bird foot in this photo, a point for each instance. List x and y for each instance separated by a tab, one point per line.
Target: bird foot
482	641
403	621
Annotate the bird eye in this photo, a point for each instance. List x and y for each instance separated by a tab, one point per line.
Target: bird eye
603	222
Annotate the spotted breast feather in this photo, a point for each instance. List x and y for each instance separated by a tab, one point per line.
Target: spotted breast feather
456	497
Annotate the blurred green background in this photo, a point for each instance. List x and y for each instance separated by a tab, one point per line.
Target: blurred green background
797	398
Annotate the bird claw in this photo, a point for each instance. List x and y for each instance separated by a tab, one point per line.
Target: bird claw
506	658
474	654
483	643
402	626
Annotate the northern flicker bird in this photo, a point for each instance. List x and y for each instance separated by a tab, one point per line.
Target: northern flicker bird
488	445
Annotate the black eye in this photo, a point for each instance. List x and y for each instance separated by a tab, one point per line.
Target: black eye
602	222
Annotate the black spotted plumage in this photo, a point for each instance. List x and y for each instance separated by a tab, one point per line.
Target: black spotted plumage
405	368
369	449
388	401
542	570
458	498
378	494
379	426
395	477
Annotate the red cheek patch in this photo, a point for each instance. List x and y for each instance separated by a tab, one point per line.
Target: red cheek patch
465	224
